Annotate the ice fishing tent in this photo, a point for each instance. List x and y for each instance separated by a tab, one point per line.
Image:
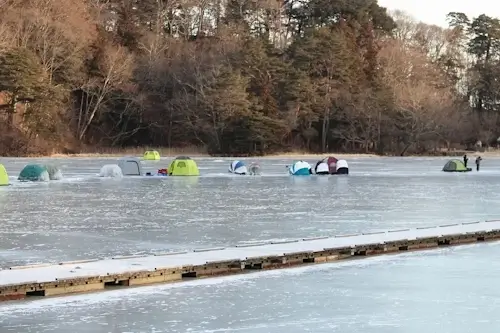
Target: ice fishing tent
4	177
183	166
238	168
151	155
322	168
300	168
131	166
54	172
34	173
332	164
342	168
455	166
254	169
111	171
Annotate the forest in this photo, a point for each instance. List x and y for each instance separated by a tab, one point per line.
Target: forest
243	77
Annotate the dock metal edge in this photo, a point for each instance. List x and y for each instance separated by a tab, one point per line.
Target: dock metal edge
237	266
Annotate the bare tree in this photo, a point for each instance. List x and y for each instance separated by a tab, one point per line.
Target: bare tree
59	32
116	67
422	96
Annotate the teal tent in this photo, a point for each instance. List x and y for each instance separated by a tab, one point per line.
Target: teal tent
34	173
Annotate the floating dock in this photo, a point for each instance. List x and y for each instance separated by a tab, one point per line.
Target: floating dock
100	274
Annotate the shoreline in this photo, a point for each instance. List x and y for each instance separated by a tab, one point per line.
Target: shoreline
297	155
198	152
194	155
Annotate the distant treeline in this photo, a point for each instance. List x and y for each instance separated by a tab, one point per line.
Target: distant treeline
243	77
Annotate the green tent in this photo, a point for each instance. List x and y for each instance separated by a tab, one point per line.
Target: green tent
4	177
455	166
183	166
151	155
34	172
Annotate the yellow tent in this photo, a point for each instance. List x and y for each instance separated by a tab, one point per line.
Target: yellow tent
183	166
151	155
4	177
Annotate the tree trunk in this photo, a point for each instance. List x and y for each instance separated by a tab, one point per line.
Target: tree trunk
405	149
324	132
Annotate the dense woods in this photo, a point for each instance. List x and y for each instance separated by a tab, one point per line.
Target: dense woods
243	77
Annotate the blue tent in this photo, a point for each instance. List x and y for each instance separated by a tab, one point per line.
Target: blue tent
238	167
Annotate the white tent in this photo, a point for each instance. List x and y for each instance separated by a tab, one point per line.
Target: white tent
238	167
300	168
342	167
322	169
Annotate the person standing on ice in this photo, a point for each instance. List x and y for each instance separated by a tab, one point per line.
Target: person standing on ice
478	162
466	159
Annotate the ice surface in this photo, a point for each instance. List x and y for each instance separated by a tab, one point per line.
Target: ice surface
83	216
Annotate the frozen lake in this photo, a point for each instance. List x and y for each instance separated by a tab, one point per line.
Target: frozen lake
83	216
452	290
